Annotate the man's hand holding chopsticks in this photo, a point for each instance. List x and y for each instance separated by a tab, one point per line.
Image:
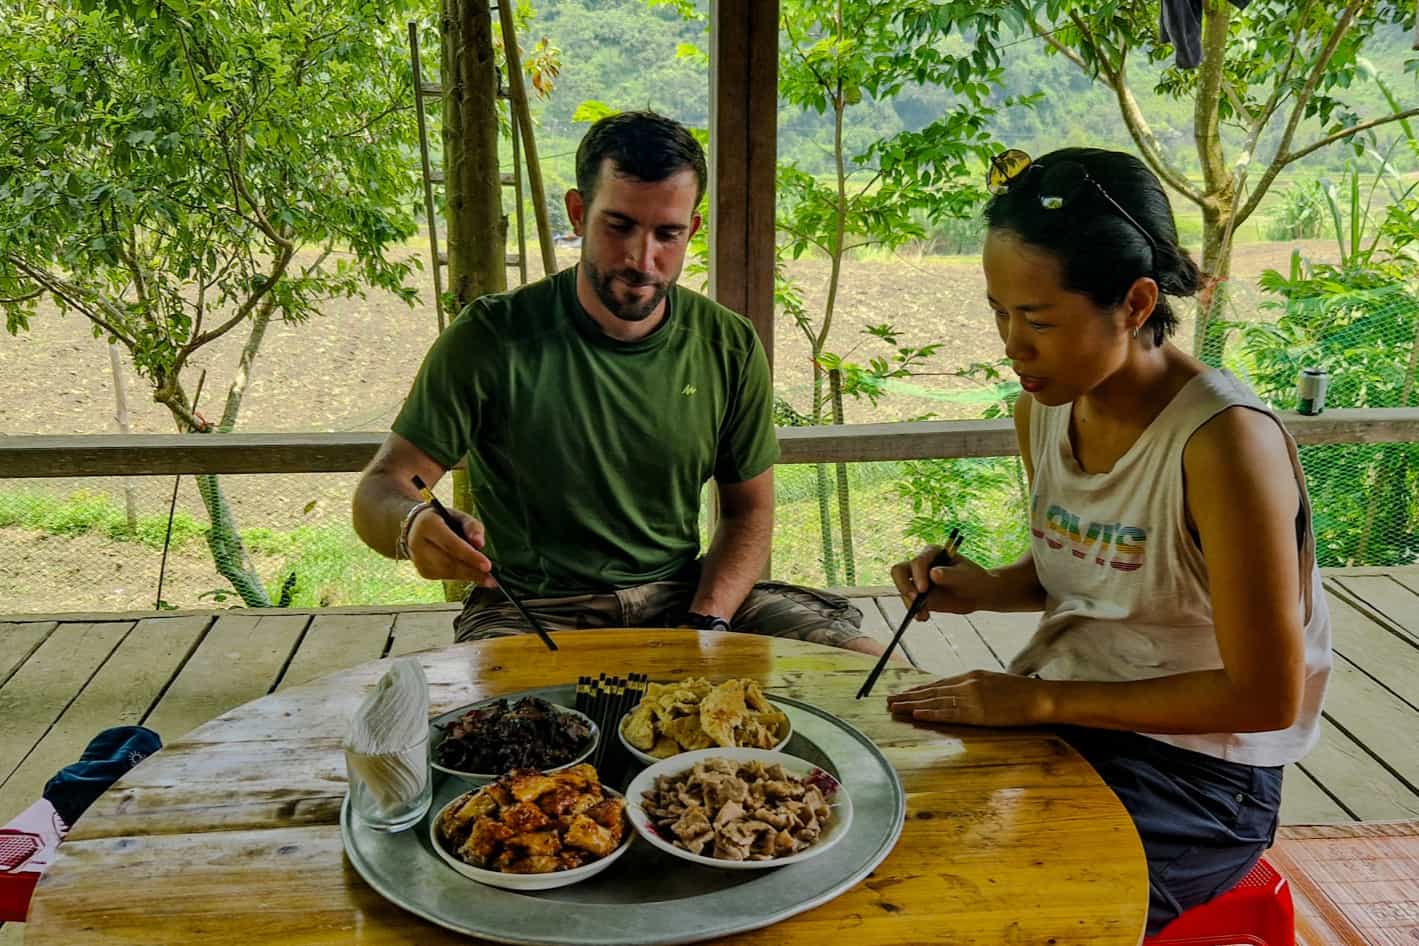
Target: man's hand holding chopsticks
438	553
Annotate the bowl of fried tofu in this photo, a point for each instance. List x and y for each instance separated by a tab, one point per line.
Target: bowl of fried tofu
694	714
529	830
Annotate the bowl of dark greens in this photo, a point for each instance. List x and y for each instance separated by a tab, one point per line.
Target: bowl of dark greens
481	741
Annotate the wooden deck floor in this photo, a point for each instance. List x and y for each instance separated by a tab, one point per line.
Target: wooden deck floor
63	678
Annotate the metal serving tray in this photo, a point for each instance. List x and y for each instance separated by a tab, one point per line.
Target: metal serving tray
647	898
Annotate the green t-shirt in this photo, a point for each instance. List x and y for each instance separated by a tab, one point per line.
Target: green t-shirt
587	455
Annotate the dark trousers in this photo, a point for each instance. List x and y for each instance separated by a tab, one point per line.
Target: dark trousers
1204	821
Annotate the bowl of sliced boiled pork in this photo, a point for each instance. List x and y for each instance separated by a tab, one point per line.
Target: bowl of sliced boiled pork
739	809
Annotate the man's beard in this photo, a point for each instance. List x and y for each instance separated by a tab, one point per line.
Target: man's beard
631	310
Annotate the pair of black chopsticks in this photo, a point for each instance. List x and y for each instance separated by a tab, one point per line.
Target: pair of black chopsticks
452	523
942	559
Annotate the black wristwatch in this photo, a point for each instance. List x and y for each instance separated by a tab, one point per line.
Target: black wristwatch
705	622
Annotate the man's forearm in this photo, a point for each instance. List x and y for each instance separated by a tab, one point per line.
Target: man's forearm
735	561
378	511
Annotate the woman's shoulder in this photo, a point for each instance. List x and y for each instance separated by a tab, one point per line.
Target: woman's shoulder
1240	440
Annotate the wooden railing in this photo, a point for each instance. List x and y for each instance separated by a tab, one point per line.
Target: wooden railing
167	454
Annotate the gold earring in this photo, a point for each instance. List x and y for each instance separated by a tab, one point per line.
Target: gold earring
1135	331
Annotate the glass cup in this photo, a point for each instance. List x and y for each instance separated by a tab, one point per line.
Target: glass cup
390	791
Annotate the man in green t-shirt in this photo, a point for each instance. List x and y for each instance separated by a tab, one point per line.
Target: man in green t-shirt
591	408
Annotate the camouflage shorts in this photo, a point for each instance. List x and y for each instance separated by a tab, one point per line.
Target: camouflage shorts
772	608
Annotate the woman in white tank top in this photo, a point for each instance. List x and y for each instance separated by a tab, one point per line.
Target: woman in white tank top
1184	645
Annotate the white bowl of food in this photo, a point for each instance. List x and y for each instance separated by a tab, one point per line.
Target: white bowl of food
790	811
480	741
694	714
531	831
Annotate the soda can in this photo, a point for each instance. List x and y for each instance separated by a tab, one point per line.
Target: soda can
1310	390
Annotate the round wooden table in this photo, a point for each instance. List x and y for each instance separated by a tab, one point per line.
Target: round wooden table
231	834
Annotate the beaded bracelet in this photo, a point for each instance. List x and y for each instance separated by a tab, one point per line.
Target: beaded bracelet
401	547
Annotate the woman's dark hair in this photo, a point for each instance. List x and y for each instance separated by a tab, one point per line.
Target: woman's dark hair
643	145
1101	253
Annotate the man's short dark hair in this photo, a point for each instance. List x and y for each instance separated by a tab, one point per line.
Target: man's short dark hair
643	145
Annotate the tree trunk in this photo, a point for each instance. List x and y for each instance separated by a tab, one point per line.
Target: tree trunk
824	490
1208	338
477	228
229	554
223	536
224	541
1218	184
835	387
120	417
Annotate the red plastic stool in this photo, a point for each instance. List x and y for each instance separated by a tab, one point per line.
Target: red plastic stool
1256	912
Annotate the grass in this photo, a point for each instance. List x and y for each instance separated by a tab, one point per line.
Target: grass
332	566
93	513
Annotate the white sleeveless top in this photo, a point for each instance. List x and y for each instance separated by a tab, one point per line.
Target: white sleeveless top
1125	581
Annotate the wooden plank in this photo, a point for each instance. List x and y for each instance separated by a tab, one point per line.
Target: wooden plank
12	934
1005	632
1375	718
335	642
167	454
422	630
43	688
1303	801
945	644
239	660
1390	600
18	641
1383	654
80	617
349	451
1406	575
1354	777
875	624
119	694
924	440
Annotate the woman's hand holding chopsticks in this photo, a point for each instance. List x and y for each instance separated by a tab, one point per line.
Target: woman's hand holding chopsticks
958	588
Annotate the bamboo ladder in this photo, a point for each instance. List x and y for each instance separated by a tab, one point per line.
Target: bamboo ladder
520	120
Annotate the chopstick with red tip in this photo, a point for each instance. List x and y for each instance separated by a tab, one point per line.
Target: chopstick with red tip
452	523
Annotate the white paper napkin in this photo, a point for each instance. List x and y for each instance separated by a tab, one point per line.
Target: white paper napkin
388	746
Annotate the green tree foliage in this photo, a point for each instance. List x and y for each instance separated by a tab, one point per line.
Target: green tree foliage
1277	64
838	58
178	170
1359	320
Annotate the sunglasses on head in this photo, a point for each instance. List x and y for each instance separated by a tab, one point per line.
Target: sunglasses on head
1062	182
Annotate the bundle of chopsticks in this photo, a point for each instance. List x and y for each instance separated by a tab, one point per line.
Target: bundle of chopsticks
607	699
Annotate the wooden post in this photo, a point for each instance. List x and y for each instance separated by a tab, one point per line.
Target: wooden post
744	158
477	229
743	164
522	119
